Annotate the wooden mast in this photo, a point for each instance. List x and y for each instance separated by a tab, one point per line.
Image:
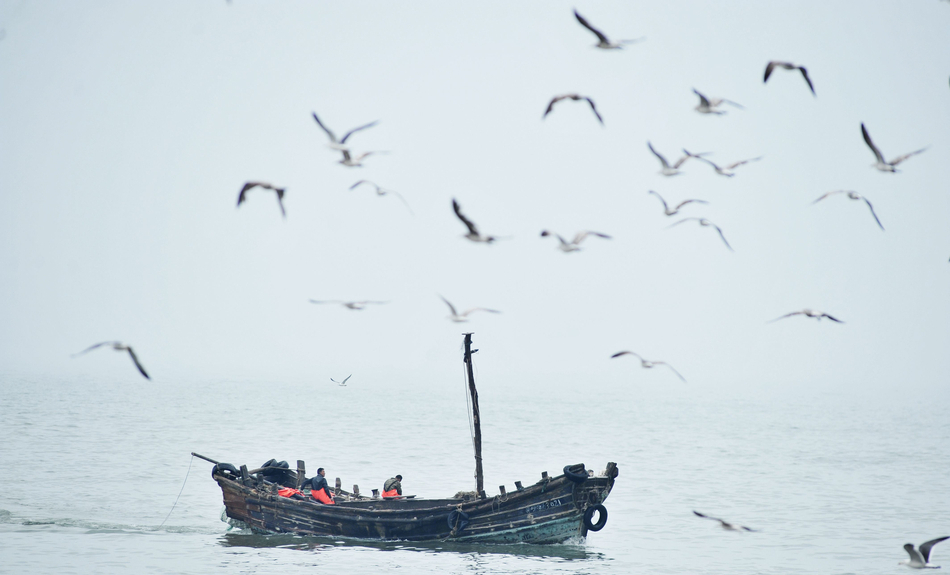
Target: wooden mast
476	418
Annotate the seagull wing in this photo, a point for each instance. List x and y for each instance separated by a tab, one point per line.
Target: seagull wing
348	134
665	207
619	353
594	108
325	301
925	547
587	25
768	71
451	307
347	378
681	221
580	236
684	202
550	107
698	514
471	227
828	194
247	186
807	79
831	318
900	159
672	368
280	200
786	315
402	199
468	311
361	182
325	129
92	347
741	162
736	104
870	207
723	237
657	154
703	101
867	140
915	557
135	360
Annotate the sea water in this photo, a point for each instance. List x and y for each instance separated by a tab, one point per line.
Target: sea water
98	475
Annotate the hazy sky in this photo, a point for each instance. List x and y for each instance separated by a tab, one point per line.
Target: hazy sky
128	128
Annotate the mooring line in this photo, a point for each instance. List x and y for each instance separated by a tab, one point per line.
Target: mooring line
190	461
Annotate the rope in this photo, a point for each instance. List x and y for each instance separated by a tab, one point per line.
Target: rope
190	461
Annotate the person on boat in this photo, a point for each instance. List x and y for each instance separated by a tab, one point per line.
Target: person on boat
319	488
393	487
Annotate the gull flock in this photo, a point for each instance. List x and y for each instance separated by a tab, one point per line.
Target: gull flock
349	158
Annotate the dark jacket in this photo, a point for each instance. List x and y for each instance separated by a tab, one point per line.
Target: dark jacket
317	483
393	483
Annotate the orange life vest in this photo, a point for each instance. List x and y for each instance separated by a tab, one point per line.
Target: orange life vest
288	492
391	493
322	496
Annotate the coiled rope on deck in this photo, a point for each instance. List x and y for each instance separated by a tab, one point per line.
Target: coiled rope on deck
190	461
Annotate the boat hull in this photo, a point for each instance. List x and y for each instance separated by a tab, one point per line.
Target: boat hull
550	511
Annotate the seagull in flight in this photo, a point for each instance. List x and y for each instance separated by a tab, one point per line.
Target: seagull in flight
788	66
118	346
673	170
342	382
575	97
710	105
357	305
463	317
723	170
266	186
725	524
603	43
473	233
674	211
355	161
854	196
340	145
648	364
382	192
921	559
573	245
882	164
705	223
808	313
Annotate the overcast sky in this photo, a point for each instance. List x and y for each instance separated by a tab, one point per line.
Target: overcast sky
128	128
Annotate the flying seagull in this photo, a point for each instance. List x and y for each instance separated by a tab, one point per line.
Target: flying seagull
340	144
266	186
575	97
881	163
118	346
788	66
809	313
462	317
573	245
921	559
603	42
723	170
355	161
704	222
673	170
357	305
473	233
724	524
674	211
854	196
341	382
382	192
710	105
648	364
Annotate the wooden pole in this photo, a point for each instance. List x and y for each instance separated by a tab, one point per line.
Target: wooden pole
476	418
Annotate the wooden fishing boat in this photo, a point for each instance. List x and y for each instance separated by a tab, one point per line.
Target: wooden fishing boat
553	510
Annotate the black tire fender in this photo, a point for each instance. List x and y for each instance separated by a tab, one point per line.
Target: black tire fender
457	520
576	473
589	516
224	469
